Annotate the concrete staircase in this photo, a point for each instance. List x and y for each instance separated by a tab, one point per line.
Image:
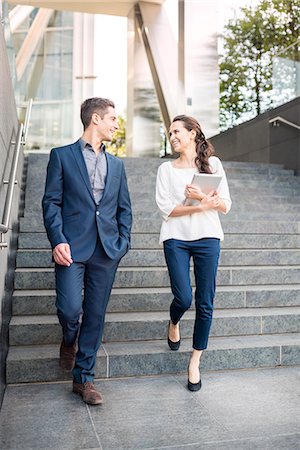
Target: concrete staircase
257	316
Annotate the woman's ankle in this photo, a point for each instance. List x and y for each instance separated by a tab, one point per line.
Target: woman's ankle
194	373
174	333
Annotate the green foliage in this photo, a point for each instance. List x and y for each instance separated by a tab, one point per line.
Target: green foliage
117	146
250	42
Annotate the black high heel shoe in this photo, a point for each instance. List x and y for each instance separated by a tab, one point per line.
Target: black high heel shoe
194	387
173	345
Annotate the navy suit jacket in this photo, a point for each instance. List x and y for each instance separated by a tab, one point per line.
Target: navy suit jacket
70	212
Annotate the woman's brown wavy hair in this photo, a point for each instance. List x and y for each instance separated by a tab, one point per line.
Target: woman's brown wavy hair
204	149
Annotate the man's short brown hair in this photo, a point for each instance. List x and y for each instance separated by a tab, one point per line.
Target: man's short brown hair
92	105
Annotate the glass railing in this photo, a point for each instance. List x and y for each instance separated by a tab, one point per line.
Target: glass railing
286	74
285	81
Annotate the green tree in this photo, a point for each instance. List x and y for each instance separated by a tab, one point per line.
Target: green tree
117	146
250	43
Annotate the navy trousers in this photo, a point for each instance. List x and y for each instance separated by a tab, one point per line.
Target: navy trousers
205	254
96	277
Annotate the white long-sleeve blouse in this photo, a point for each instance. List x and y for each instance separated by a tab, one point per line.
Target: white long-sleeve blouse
170	186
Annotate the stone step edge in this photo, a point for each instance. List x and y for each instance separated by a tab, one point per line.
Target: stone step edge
32	303
163	316
156	250
151	290
221	342
156	233
159	268
291	228
43	154
231	353
269	247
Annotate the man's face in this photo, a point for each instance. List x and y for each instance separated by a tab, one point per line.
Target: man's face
107	125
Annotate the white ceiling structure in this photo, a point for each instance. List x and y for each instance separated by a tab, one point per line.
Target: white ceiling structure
114	8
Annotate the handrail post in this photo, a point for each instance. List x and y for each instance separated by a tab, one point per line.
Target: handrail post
3	244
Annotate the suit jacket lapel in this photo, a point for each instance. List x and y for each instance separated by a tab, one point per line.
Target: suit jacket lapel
77	152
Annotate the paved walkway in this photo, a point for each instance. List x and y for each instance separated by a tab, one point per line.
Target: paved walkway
254	409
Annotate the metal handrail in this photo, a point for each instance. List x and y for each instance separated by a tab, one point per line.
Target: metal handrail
286	48
20	141
26	120
277	119
4	226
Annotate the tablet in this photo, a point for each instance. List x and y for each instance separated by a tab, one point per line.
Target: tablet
207	182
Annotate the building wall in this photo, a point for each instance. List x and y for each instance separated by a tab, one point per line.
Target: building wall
259	141
8	130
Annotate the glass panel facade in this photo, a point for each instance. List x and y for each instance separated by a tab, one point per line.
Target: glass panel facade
48	80
50	124
4	15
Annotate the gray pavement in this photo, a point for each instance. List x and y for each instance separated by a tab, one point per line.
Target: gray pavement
241	409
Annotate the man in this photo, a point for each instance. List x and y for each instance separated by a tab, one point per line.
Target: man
87	216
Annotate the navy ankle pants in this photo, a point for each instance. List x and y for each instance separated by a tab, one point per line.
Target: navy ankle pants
96	276
205	254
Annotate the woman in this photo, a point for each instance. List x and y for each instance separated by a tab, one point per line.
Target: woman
191	231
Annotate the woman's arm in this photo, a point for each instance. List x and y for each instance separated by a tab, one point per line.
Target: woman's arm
210	201
224	205
167	206
223	190
163	194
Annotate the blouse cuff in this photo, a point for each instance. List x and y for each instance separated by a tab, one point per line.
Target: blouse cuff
167	211
227	205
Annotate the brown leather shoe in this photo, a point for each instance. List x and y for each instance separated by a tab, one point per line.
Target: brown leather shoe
88	393
67	356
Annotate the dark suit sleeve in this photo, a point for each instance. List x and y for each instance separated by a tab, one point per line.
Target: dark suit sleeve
124	214
52	200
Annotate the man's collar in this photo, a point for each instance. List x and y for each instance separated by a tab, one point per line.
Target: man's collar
85	144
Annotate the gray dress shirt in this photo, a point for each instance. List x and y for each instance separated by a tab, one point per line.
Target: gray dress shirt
96	167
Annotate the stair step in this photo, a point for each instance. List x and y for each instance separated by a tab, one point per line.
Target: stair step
229	227
154	258
36	330
37	162
262	185
239	208
242	172
235	215
240	189
30	364
149	225
40	241
243	179
30	302
31	241
239	200
158	276
278	197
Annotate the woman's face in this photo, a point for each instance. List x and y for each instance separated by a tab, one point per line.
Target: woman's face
180	137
